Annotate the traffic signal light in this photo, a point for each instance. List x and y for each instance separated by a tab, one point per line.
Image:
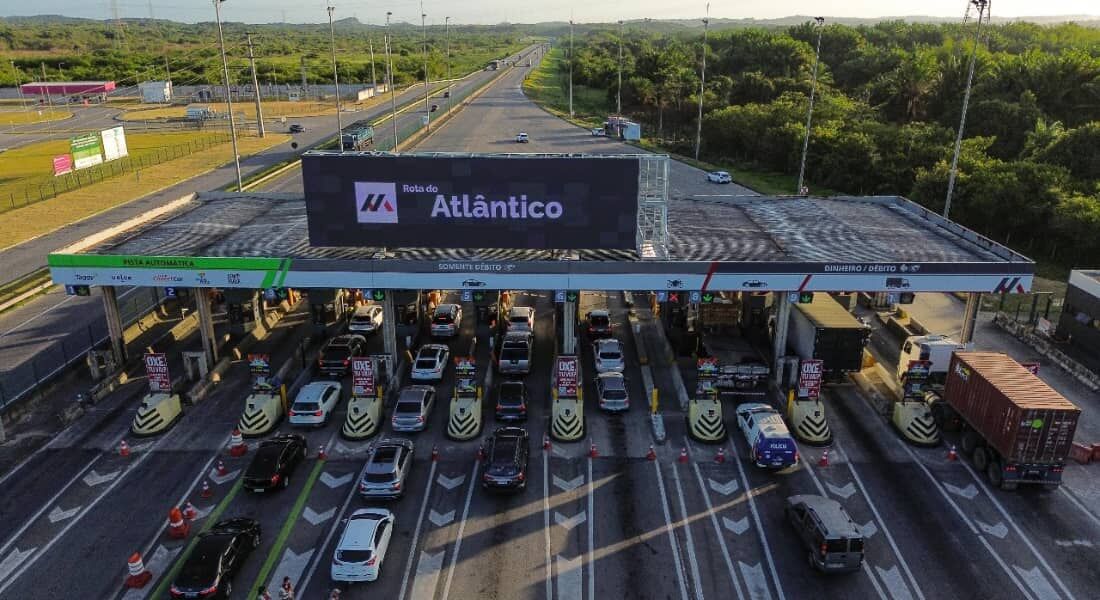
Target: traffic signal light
706	297
805	297
906	297
378	295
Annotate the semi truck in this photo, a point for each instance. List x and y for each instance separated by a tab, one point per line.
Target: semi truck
824	330
359	138
936	349
1014	426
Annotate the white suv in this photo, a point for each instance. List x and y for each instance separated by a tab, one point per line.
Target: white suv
608	353
315	403
521	318
431	361
362	547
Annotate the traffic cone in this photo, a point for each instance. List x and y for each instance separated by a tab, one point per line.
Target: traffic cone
683	454
652	454
721	456
189	511
237	447
177	527
592	452
545	442
435	453
124	449
139	575
952	454
206	493
221	468
824	461
321	453
481	453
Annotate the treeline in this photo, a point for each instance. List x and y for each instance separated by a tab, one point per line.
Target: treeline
145	49
888	106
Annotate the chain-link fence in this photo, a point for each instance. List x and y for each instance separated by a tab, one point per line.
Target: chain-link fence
51	187
21	379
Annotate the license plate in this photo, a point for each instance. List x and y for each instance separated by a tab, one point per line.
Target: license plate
258	490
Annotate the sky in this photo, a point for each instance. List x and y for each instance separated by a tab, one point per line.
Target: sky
496	11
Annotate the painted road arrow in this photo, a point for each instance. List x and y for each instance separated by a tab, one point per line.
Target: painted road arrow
723	488
12	561
868	529
136	448
450	483
427	576
844	492
999	530
558	451
316	518
57	514
201	512
570	485
292	565
93	479
755	581
157	564
569	522
335	482
569	577
1035	580
895	585
969	492
220	479
740	526
440	520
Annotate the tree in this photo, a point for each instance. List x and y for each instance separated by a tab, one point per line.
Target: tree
1078	151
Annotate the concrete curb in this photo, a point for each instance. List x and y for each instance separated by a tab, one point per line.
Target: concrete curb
656	419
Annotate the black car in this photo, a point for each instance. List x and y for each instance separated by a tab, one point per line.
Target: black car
507	453
216	557
274	461
598	323
296	128
512	401
336	356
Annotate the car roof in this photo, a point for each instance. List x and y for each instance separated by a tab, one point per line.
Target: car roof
366	309
311	392
445	308
609	342
831	513
414	393
612	380
434	348
359	533
599	312
521	310
343	340
231	525
755	407
517	335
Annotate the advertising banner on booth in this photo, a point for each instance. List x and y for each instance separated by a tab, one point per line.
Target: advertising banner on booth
114	143
362	376
809	378
471	202
156	370
566	376
62	164
259	364
87	150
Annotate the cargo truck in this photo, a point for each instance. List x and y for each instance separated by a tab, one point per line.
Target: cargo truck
359	138
1014	426
936	349
824	330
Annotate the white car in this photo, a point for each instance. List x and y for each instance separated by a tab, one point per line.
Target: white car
719	177
608	353
611	392
521	138
521	318
366	319
598	132
315	403
362	547
431	361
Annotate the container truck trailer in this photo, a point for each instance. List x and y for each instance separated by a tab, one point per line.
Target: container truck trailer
825	331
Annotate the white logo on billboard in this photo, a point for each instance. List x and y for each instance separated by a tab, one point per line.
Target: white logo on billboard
375	202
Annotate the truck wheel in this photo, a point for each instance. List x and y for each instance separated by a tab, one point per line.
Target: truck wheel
993	472
937	415
970	441
981	458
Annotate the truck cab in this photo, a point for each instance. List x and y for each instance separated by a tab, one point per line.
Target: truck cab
937	349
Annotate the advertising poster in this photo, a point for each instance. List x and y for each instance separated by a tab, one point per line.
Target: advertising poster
362	376
87	150
809	378
259	364
62	165
156	369
114	143
566	375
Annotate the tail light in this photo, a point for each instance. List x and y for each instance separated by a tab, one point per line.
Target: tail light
824	550
1057	469
318	413
175	591
419	418
520	477
372	561
320	362
275	479
796	456
1010	468
396	485
210	591
486	477
500	406
347	361
522	408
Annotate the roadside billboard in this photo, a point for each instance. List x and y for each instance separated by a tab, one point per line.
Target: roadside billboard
259	364
87	150
62	165
114	143
566	376
156	369
362	376
809	378
471	201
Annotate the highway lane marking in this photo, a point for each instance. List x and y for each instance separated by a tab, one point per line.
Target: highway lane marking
692	561
750	497
316	518
724	489
1019	532
671	535
999	530
334	482
1088	513
441	520
969	492
450	483
428	569
416	532
1036	581
52	307
59	514
13	560
157	563
591	534
291	565
570	574
46	505
546	524
570	485
288	526
461	529
846	491
718	530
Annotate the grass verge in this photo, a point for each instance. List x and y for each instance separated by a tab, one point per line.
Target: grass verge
280	542
43	217
31	115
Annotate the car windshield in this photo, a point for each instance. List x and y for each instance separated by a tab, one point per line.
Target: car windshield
599	320
614	395
336	353
408	408
263	465
379	477
353	556
610	355
425	363
519	318
362	318
201	567
305	406
511	394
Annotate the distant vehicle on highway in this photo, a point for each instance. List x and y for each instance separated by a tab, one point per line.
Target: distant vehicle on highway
598	132
511	401
521	138
521	318
274	462
296	128
362	547
435	107
608	355
599	323
831	537
216	558
611	391
446	320
315	403
431	361
719	177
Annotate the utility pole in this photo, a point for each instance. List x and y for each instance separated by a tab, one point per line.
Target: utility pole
447	38
981	4
393	94
619	94
256	88
373	80
335	78
570	67
304	75
702	85
167	71
424	51
228	96
802	191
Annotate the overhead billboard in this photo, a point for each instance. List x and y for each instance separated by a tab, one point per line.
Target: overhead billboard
87	150
411	201
114	143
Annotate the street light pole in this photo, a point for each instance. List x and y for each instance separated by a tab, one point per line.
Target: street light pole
373	78
228	96
981	4
801	191
256	88
424	51
447	38
619	94
335	78
702	85
570	68
393	94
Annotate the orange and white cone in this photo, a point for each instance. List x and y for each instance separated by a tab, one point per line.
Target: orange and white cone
221	468
189	511
652	454
321	453
952	454
824	462
721	456
177	527
545	442
237	447
435	453
592	452
206	493
124	449
683	454
138	574
481	453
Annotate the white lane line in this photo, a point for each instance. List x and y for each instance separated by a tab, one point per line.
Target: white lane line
759	526
671	534
969	523
304	584
26	322
687	534
416	532
1019	532
461	529
718	531
47	504
884	528
591	534
546	523
1088	513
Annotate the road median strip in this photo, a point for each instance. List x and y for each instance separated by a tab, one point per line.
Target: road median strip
280	542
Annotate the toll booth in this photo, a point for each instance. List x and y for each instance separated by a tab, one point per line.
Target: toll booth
243	310
704	418
326	306
465	419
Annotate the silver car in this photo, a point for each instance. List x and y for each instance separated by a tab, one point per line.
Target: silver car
387	468
608	354
414	406
515	353
611	392
366	319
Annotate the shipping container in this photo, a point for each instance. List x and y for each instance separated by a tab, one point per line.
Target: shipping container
1018	428
824	330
